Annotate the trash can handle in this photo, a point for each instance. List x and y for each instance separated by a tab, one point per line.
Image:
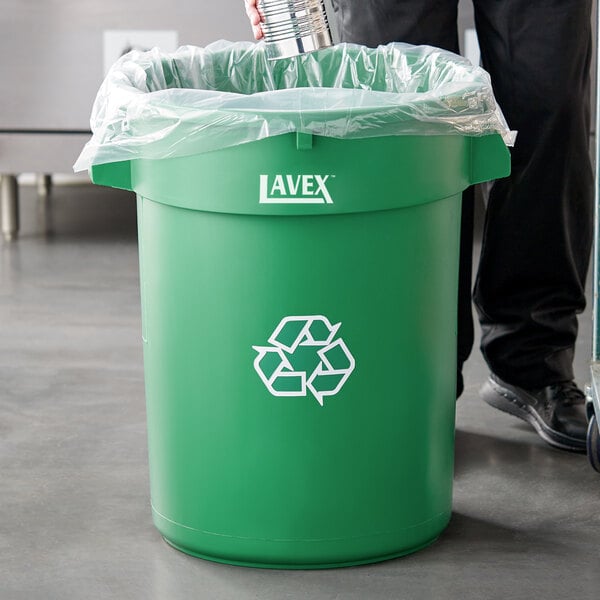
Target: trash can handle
116	174
490	158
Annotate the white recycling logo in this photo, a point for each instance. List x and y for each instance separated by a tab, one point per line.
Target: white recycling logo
304	356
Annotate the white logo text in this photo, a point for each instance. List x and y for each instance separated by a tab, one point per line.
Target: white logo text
295	189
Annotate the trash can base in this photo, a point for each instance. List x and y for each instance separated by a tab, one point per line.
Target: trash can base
334	565
325	554
296	566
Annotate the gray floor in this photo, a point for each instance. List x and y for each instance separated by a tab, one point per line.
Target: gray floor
74	505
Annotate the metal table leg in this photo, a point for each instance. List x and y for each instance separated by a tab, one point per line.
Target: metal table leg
9	206
44	184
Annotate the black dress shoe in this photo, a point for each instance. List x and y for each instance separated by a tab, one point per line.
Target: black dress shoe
556	412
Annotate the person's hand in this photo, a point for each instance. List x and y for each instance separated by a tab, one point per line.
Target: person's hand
255	18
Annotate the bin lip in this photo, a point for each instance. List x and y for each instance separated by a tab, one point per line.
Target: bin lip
263	178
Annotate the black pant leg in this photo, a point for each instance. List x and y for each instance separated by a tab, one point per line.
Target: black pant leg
375	22
538	231
465	330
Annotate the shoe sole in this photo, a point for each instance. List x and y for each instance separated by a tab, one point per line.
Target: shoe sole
507	401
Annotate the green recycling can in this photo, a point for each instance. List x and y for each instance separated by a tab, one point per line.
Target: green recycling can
299	302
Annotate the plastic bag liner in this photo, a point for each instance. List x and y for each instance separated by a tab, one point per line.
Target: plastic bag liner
157	105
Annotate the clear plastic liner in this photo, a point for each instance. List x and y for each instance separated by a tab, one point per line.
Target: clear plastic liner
157	105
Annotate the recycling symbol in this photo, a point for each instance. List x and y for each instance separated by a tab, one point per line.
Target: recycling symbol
304	356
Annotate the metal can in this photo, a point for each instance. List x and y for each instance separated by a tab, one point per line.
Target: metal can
293	27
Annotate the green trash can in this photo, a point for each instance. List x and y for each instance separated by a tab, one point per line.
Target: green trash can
299	325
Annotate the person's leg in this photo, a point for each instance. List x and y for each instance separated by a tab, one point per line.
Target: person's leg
434	23
465	336
538	231
531	279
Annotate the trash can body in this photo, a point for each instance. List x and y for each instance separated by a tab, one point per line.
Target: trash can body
299	299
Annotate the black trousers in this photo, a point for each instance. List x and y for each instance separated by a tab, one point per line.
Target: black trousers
539	221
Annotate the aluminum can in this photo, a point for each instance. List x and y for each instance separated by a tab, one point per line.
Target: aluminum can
293	27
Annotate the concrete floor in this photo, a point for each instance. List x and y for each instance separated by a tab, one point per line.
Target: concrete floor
75	517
